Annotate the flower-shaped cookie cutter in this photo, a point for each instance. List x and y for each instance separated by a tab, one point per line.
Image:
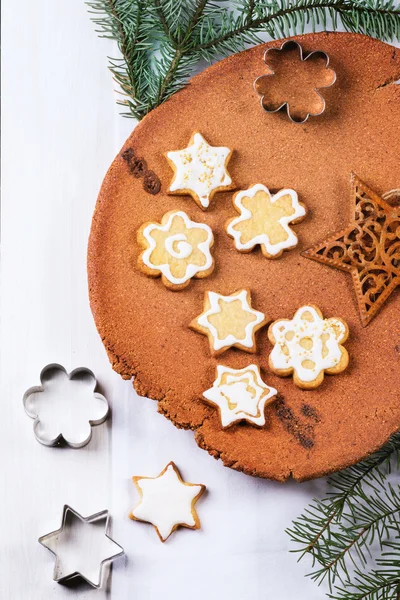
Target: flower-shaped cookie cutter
70	561
60	407
270	106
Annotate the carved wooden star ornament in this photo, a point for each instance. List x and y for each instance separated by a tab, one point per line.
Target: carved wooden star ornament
368	248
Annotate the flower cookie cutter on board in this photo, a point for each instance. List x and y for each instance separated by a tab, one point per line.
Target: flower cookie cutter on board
79	546
317	103
65	406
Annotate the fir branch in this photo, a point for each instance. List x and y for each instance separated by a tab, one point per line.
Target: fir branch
162	42
357	519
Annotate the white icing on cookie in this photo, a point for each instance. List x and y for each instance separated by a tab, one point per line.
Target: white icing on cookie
200	168
258	225
215	308
307	343
178	247
166	501
240	394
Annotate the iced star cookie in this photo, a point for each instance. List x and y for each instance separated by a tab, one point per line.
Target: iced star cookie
308	346
229	321
200	170
167	502
240	395
264	220
177	249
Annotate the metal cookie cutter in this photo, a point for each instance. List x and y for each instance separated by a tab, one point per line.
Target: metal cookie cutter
272	108
80	548
65	406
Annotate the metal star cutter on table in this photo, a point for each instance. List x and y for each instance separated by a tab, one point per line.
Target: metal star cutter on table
66	545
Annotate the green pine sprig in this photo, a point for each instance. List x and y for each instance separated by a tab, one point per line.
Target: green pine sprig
161	42
353	534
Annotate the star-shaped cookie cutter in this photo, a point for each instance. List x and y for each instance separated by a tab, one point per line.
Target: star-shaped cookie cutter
62	437
285	46
58	574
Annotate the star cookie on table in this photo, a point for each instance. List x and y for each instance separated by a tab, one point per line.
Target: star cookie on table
240	395
307	346
177	249
167	502
200	170
229	321
368	248
264	220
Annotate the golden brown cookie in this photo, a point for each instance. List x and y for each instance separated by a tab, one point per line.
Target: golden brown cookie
240	395
308	346
200	170
229	321
264	220
177	249
167	502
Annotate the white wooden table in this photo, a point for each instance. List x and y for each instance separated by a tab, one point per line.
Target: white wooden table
61	130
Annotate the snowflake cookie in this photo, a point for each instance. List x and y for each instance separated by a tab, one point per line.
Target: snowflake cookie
229	321
307	346
177	249
200	170
240	395
167	502
264	219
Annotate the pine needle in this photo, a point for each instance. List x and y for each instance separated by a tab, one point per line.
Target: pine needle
353	534
162	42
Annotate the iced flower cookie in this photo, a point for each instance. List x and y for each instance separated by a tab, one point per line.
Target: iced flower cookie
240	395
308	346
167	502
264	220
200	170
229	321
177	249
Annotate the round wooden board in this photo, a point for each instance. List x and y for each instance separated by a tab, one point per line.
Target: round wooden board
144	326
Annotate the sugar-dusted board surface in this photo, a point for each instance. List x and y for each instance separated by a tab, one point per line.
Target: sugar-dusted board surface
60	131
144	326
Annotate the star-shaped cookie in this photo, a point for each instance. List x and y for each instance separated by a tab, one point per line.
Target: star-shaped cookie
229	321
167	502
200	170
264	219
368	248
240	395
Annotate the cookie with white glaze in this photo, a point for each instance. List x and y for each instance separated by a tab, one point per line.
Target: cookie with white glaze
176	249
200	170
240	395
308	346
167	502
264	220
229	321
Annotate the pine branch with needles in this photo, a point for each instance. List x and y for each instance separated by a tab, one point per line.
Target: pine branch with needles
162	42
353	534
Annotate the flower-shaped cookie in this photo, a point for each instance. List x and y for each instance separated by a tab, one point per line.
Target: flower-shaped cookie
264	219
200	170
229	321
293	81
177	249
307	346
241	395
65	406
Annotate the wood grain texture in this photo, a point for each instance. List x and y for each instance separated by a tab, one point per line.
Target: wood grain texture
61	130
